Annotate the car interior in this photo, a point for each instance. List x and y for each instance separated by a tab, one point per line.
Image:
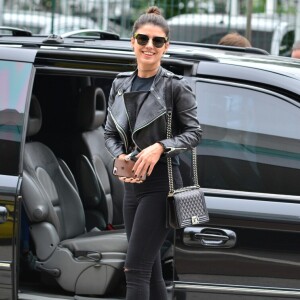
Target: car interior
72	236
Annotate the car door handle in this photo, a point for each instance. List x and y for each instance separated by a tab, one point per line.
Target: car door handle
3	214
209	237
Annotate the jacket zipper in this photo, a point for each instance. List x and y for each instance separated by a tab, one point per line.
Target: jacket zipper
127	114
121	131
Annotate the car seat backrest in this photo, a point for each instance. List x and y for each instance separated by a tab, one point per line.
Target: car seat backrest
48	194
91	116
91	108
35	117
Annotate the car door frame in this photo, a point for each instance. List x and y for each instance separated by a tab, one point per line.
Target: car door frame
10	182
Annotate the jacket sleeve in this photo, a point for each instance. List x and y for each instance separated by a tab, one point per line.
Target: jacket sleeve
188	130
113	141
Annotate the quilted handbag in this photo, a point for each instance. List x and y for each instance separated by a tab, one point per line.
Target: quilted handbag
185	206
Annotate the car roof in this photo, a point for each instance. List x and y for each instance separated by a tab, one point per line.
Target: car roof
110	44
272	63
11	54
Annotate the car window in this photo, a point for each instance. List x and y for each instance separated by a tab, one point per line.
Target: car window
287	43
14	82
251	140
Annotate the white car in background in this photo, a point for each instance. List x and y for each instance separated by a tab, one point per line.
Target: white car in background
41	23
274	34
111	9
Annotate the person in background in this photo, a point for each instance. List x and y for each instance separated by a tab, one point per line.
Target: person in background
296	50
136	126
234	39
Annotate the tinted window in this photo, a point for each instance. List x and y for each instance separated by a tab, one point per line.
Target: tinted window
251	140
287	44
14	79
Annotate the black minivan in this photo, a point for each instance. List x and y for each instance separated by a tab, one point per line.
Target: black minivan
61	224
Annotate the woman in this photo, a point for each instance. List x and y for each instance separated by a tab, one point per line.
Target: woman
136	123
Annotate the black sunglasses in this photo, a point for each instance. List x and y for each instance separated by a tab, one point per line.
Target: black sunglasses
143	39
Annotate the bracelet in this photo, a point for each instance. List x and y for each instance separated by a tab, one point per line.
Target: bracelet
163	145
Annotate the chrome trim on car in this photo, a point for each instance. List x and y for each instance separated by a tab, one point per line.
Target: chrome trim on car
5	266
253	290
251	87
109	51
250	195
28	296
10	45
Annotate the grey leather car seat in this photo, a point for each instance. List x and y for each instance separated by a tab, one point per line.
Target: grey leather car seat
103	196
81	262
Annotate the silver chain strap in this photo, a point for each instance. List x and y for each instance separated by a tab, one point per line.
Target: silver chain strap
169	160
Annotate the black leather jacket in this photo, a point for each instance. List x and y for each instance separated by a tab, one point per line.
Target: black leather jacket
150	125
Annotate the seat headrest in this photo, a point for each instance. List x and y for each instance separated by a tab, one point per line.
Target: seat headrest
35	117
91	109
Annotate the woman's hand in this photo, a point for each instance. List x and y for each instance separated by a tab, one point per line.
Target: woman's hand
147	159
126	179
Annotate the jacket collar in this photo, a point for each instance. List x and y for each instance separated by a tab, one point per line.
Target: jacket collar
126	86
153	107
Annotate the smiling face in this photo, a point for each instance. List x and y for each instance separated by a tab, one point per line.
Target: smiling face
148	56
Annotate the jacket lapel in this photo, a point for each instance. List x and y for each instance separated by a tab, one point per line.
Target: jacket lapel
153	107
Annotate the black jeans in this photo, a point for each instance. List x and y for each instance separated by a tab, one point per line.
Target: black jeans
145	223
